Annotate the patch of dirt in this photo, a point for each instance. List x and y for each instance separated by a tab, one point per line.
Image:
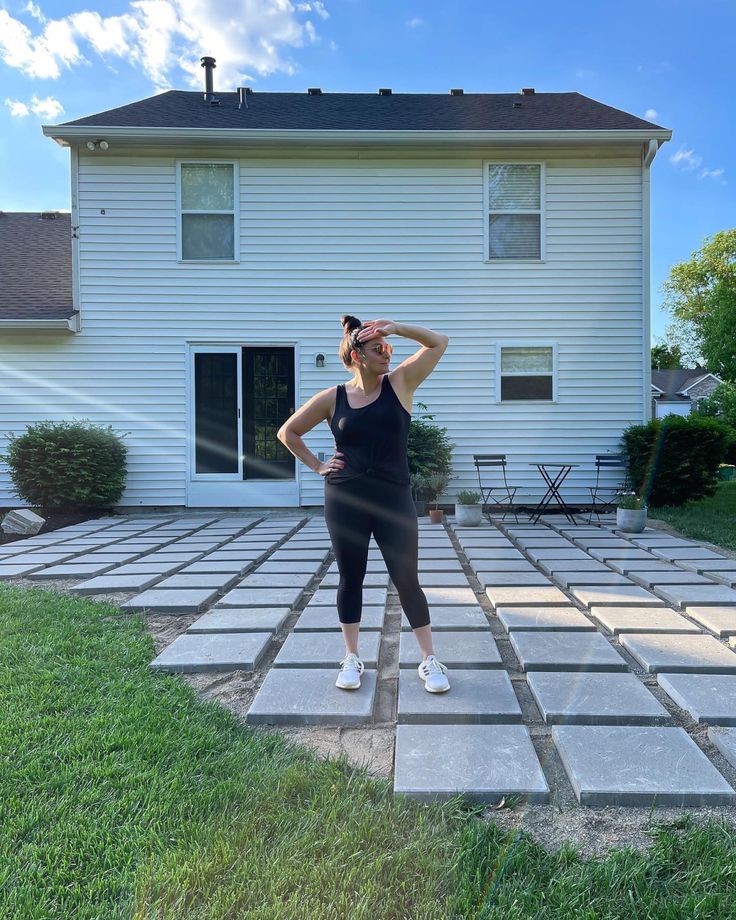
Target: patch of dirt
53	521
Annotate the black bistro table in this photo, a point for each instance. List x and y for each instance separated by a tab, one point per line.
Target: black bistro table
554	474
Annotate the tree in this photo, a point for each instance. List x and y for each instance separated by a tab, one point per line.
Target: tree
666	356
701	296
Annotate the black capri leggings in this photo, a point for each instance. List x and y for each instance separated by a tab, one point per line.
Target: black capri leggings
353	511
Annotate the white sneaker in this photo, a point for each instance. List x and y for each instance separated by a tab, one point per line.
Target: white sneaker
351	667
433	673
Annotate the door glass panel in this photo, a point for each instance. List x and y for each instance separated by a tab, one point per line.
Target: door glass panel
268	400
216	413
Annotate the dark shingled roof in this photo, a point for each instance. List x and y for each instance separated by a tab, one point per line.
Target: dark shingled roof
673	379
35	267
369	112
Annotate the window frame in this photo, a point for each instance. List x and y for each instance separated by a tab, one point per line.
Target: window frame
526	344
540	211
235	211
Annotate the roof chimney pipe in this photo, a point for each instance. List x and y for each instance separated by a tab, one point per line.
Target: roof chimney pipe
209	65
527	91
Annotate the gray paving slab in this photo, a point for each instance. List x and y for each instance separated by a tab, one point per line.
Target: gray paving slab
70	570
554	566
643	620
261	597
500	596
442	579
189	654
203	567
493	552
375	565
148	568
432	552
439	565
709	698
325	619
697	595
113	583
476	696
173	600
544	542
171	557
218	580
42	558
450	596
566	698
554	619
114	558
308	696
692	552
300	555
725	740
371	580
483	763
628	554
636	765
452	619
513	579
245	619
324	650
588	543
710	565
719	620
269	580
580	579
626	567
565	651
615	596
455	649
679	653
288	568
569	553
659	539
724	578
501	565
17	571
327	597
652	580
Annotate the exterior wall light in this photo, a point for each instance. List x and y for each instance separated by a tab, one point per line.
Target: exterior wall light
319	360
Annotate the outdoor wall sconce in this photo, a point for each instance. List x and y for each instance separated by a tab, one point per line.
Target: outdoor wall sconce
319	360
97	145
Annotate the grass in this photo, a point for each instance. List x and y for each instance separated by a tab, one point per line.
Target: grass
712	519
122	795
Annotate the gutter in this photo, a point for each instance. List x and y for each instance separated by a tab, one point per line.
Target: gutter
70	324
66	136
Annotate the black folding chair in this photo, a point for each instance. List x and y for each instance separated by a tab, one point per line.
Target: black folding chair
602	496
484	464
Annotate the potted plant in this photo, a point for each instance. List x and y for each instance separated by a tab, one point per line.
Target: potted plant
418	490
468	509
429	451
631	512
436	485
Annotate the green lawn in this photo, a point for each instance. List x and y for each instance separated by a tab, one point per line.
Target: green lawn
712	519
122	795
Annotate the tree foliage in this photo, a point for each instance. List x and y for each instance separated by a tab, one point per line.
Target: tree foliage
666	356
700	293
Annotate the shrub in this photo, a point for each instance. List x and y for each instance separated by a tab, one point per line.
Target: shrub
468	497
67	465
674	460
429	451
721	404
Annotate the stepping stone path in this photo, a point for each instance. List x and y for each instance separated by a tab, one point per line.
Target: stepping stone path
549	626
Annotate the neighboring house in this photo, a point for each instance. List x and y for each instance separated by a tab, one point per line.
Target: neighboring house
675	391
218	239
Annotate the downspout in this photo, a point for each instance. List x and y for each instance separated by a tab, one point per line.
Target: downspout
649	151
76	293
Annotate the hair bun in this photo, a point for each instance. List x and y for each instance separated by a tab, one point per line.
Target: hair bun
349	323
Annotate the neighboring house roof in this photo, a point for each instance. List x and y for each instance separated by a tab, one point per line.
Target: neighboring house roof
35	267
673	383
371	112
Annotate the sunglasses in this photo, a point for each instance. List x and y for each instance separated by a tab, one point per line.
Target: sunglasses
379	348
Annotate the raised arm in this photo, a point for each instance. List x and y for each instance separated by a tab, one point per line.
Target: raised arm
317	409
418	366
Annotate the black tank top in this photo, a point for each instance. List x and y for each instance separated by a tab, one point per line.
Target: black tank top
373	438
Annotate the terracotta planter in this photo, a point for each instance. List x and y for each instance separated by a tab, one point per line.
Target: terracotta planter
631	520
468	515
436	515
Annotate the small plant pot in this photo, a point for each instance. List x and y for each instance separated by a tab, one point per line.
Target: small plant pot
631	520
436	515
469	515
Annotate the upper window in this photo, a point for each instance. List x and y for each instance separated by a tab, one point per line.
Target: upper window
514	201
208	215
527	372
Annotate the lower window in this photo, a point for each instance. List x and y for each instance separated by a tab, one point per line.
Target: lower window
526	372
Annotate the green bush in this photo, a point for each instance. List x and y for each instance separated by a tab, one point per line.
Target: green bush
429	451
67	466
721	404
468	497
674	460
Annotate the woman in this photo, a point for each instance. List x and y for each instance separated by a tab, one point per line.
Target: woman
367	489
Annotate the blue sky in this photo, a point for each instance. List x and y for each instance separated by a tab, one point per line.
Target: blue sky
61	60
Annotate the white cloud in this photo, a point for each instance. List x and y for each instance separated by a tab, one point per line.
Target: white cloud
44	108
651	114
162	37
689	161
415	23
17	108
35	10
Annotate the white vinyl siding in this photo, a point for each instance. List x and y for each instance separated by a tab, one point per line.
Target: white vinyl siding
374	233
207	205
514	196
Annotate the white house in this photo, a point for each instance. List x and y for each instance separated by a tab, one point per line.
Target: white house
217	239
